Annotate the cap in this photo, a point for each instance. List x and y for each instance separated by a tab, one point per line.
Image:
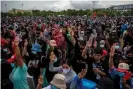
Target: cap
104	53
123	67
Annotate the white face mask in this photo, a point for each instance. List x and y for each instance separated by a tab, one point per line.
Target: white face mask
94	31
117	47
65	71
102	46
55	60
34	52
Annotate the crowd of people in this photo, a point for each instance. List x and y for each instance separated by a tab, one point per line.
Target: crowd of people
66	52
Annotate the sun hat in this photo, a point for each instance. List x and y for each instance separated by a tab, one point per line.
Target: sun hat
59	81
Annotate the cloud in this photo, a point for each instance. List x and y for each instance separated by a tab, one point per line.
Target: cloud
59	4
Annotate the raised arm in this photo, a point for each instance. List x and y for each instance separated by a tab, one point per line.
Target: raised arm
54	69
51	65
77	81
112	51
25	49
85	52
40	82
88	45
19	60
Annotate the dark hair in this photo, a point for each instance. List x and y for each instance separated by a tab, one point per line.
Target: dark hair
7	35
98	51
122	58
66	62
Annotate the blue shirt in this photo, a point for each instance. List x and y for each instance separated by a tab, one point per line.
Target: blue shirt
19	77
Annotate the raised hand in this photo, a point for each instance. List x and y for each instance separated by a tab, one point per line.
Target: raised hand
40	80
26	42
52	57
89	43
82	73
112	51
16	41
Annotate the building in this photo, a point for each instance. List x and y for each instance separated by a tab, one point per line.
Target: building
122	8
15	11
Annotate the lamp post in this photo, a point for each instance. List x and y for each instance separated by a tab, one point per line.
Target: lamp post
93	7
22	8
6	8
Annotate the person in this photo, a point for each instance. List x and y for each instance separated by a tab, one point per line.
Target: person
130	59
19	72
119	75
58	82
97	62
33	67
71	77
65	69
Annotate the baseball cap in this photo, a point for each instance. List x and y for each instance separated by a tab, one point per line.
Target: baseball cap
123	67
104	53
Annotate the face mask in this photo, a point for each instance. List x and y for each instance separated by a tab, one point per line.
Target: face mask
34	52
65	71
55	60
117	47
12	65
94	31
5	50
102	46
121	74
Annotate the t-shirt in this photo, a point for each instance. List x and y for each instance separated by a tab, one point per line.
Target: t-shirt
18	77
99	66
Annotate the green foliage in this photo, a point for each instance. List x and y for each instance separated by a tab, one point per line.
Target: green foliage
69	12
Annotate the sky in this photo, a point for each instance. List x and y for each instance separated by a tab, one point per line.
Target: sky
58	5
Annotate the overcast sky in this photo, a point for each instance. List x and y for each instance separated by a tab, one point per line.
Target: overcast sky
60	4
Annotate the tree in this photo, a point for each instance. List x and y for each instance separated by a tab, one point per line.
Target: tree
19	14
14	10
